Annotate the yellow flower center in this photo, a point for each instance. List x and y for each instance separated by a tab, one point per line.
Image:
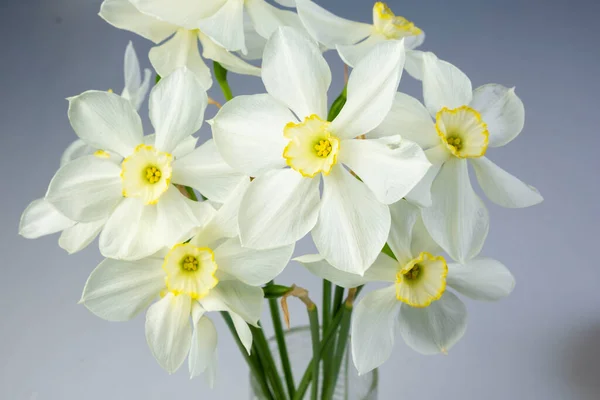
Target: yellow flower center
312	148
190	263
422	280
153	174
146	174
323	148
190	270
390	25
463	131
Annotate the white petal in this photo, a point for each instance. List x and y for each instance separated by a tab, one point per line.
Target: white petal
226	26
205	170
124	15
135	89
502	110
295	73
204	346
503	188
328	28
243	331
232	63
422	240
255	43
404	216
131	233
168	330
435	328
131	65
414	41
353	53
224	224
177	105
253	267
409	119
216	302
421	194
390	166
80	235
175	220
248	131
444	85
267	18
41	218
242	299
185	147
481	279
76	149
414	62
106	121
119	290
180	51
279	208
370	96
286	3
457	218
384	269
353	226
86	189
179	12
374	329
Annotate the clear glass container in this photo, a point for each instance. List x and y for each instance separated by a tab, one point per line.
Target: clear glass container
349	386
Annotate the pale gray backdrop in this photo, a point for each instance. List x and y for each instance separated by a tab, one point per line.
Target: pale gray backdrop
543	342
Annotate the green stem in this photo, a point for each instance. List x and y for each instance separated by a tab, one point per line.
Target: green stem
250	360
327	337
313	317
266	358
221	76
328	364
340	348
338	298
326	310
283	351
308	374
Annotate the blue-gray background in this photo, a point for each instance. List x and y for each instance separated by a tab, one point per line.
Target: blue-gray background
543	342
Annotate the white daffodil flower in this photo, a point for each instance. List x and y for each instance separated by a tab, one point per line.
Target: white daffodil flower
353	40
41	218
143	209
262	135
417	304
177	22
465	123
135	90
211	272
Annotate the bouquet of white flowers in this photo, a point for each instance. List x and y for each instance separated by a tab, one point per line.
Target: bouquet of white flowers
378	179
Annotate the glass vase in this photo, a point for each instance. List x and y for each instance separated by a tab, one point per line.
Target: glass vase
349	386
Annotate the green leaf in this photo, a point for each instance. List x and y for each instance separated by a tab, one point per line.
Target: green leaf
275	291
337	105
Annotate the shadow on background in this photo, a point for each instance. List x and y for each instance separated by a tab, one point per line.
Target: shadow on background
582	363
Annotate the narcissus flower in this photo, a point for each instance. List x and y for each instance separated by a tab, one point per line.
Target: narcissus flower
283	138
42	218
143	209
465	125
176	21
353	40
211	272
416	304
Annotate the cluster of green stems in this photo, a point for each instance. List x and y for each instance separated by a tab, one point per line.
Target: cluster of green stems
329	341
